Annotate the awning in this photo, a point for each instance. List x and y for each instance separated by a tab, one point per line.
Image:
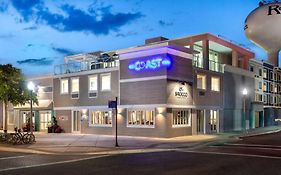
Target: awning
42	104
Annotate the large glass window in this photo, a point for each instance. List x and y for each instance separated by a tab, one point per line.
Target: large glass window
101	118
215	84
105	82
93	83
181	118
141	118
213	61
64	86
75	85
198	58
201	81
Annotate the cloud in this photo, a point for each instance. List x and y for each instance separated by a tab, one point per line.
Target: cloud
164	23
64	51
6	36
126	34
96	20
37	62
30	28
3	7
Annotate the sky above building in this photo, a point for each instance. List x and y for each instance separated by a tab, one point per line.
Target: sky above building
35	35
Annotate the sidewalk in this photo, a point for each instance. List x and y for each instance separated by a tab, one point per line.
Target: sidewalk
89	143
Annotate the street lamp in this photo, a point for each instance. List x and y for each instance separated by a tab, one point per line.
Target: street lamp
244	93
31	88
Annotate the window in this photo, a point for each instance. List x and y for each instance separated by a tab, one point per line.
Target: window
264	73
93	83
201	81
260	85
75	85
260	72
11	118
141	118
101	118
251	68
64	86
105	82
215	84
181	118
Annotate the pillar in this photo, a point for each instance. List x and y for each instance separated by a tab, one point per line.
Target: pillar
234	58
205	47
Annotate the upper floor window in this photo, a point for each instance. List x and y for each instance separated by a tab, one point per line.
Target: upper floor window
201	81
260	72
64	86
105	82
93	83
74	85
251	68
215	84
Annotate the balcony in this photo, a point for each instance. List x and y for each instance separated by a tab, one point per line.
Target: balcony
213	65
82	66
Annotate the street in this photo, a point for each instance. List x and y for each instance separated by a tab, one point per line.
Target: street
247	156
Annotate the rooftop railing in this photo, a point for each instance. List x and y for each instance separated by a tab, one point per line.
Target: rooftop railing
75	67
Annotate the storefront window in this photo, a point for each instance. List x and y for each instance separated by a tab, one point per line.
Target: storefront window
101	118
140	118
181	118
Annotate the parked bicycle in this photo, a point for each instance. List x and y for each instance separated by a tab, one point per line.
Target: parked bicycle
18	137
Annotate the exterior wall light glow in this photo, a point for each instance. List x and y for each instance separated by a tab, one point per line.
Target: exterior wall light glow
245	92
149	64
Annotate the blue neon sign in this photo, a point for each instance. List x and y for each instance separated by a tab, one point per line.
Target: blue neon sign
150	64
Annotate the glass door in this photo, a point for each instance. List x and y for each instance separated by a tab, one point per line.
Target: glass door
200	121
214	120
45	120
75	121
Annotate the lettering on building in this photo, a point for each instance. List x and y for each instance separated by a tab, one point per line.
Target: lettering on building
149	64
274	10
181	93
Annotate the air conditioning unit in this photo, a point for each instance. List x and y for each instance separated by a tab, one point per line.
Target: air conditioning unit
93	94
75	95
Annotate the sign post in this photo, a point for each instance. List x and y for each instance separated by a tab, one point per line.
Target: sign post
113	104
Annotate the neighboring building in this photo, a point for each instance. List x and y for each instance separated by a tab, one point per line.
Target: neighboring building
270	92
18	116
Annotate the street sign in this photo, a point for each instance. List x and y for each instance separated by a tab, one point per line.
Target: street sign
112	104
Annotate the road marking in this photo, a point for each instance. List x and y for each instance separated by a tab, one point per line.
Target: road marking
252	145
13	157
231	154
52	163
246	147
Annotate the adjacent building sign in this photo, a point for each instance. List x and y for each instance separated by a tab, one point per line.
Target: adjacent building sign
149	64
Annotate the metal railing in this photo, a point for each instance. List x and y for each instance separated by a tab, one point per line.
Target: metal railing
75	67
213	65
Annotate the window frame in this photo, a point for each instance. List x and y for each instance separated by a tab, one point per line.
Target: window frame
61	80
75	92
205	82
101	85
92	120
139	125
188	118
219	86
89	85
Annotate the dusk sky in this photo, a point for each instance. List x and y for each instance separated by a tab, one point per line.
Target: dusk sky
35	35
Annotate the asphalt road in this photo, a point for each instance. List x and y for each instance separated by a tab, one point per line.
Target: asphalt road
245	157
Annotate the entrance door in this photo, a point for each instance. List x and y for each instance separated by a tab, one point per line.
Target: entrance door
257	119
76	121
200	121
214	121
45	120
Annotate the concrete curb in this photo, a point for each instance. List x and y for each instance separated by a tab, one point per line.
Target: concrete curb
259	134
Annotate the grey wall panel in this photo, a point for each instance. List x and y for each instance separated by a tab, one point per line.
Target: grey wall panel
144	92
64	100
179	93
64	120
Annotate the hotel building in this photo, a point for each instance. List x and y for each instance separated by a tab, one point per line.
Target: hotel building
165	88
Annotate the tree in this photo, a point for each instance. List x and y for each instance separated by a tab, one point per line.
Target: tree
13	88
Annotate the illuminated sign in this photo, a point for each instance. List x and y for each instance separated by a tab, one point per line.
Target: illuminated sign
150	64
181	93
